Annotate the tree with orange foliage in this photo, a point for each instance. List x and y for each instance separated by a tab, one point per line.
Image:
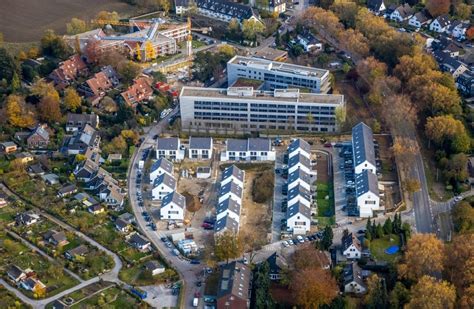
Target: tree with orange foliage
313	287
424	256
49	110
17	113
470	33
432	293
438	7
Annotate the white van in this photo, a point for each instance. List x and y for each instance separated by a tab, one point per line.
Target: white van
195	302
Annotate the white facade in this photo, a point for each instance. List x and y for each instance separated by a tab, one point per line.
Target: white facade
248	155
352	252
278	75
299	151
171	211
200	148
367	203
437	27
160	170
299	182
354	287
162	187
366	165
230	195
170	148
301	166
299	199
299	223
414	22
233	179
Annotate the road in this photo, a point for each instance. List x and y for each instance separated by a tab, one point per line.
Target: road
424	218
187	271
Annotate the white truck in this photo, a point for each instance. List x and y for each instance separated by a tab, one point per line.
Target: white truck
195	302
141	164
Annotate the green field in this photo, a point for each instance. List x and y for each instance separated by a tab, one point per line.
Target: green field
325	206
378	246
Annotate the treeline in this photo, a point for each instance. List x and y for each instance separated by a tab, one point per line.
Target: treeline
401	83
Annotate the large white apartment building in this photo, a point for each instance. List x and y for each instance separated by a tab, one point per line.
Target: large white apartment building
367	192
278	75
245	110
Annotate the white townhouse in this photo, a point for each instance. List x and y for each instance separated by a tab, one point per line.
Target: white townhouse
228	207
230	190
160	167
173	207
363	148
440	24
300	178
252	149
351	247
200	148
169	148
299	161
299	146
299	195
226	224
367	193
298	218
402	13
162	186
376	6
458	29
233	174
418	20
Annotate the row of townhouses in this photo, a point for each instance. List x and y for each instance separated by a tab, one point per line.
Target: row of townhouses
301	180
366	180
229	204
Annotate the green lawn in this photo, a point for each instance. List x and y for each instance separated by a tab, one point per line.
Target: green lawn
136	275
113	297
378	246
325	206
9	300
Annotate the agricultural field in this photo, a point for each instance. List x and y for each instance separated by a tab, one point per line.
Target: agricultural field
26	20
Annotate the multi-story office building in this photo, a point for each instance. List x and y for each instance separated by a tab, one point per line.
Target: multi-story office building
278	75
245	110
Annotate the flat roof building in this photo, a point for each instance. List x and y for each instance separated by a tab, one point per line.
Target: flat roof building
245	110
278	75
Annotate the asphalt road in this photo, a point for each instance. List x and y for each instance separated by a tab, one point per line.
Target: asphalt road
188	272
422	205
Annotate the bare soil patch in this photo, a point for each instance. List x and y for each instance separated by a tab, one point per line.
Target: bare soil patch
26	20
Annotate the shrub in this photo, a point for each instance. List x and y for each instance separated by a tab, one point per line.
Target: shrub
262	189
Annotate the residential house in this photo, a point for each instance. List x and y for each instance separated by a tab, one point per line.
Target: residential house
27	218
76	122
225	10
298	218
363	148
440	24
445	46
67	190
299	146
96	87
160	167
465	84
203	172
24	157
309	42
139	242
55	238
271	54
367	193
114	157
233	174
272	6
122	226
353	282
96	209
299	194
252	149
86	138
200	148
230	190
458	29
15	273
138	92
351	247
162	186
376	6
68	71
127	217
277	264
38	138
402	13
300	178
154	267
85	170
226	224
418	20
35	170
173	207
34	285
50	179
228	207
169	148
85	199
300	161
79	251
449	64
234	288
8	147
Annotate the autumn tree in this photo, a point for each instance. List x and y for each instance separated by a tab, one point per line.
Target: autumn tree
460	263
411	66
399	296
412	185
449	132
376	296
432	293
17	113
41	89
251	28
226	50
456	168
424	256
355	42
463	217
116	145
438	7
313	287
76	26
129	70
8	66
463	11
346	12
72	100
49	110
227	246
130	136
54	45
105	16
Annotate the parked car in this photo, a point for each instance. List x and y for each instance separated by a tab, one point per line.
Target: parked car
195	261
285	243
300	239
